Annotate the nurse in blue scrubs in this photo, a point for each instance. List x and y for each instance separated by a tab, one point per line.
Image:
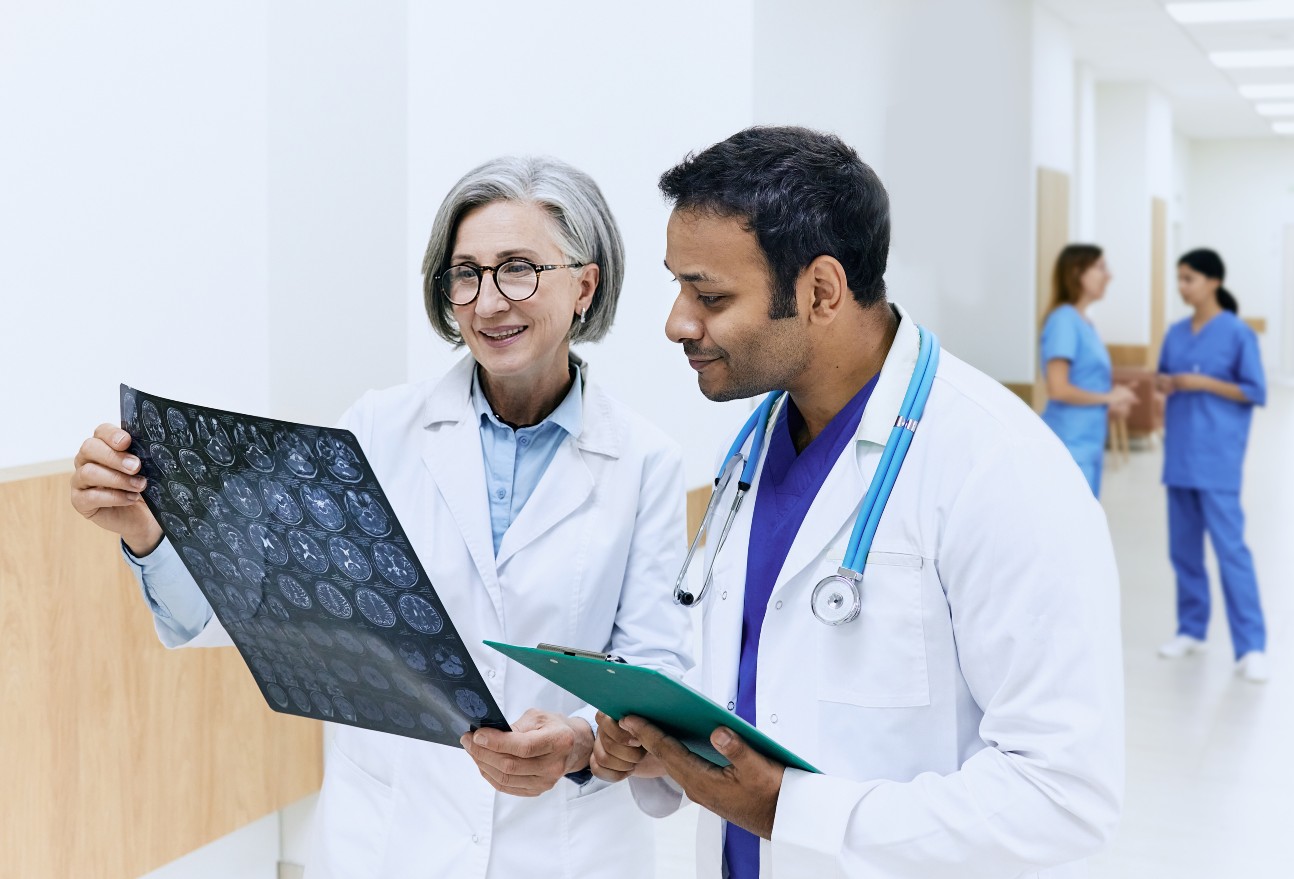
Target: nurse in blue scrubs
1076	363
1213	375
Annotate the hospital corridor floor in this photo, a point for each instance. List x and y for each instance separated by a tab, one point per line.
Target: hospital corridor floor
1209	769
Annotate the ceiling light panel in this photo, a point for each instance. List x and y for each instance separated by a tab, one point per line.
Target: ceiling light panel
1284	109
1267	91
1252	59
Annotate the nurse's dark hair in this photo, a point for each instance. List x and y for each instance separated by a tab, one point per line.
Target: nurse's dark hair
803	194
581	224
1067	275
1210	265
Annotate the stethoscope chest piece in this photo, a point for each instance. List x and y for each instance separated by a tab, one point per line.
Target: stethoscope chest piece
837	599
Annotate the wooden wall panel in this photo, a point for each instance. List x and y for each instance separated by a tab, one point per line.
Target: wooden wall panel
1052	236
1158	278
116	755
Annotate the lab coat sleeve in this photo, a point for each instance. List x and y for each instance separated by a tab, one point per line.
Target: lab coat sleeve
180	610
1249	368
1028	569
1059	337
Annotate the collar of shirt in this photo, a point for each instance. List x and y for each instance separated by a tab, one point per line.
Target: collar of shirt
569	414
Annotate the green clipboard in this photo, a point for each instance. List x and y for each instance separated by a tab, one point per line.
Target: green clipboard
617	689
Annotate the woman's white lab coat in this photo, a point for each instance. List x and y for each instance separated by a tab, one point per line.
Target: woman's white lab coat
587	563
970	722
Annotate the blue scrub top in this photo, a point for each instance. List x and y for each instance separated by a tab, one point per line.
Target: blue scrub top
1205	435
1067	335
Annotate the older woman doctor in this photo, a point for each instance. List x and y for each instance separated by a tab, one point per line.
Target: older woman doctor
542	509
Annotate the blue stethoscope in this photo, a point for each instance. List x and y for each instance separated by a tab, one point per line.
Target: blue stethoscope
836	599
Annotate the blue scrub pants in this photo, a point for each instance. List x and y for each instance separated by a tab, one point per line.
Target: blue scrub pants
1190	513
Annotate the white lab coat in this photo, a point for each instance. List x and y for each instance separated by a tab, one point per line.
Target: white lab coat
587	563
970	722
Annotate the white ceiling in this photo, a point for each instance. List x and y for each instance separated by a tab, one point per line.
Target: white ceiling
1138	41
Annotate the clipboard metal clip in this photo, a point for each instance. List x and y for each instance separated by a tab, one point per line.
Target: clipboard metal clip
583	654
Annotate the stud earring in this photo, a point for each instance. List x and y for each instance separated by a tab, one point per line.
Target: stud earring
583	311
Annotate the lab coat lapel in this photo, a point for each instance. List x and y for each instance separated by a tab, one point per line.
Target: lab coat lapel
452	454
567	484
836	507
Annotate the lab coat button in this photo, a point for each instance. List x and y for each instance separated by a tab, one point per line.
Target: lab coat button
724	596
475	838
490	673
732	705
773	718
777	606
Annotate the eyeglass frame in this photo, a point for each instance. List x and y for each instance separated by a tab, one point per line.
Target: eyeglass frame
494	276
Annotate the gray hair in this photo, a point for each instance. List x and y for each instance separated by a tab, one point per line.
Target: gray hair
581	221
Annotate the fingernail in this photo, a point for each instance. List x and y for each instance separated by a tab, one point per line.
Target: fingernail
479	739
133	496
130	462
634	743
120	437
722	738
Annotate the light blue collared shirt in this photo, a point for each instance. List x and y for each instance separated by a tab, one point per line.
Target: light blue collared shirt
515	460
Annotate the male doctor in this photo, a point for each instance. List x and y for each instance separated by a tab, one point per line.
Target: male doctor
969	721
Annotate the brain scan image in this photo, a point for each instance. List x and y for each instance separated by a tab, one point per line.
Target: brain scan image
291	589
278	694
367	513
348	641
377	646
162	455
368	708
252	570
205	532
316	633
349	558
449	662
322	508
215	440
295	453
279	502
197	562
266	544
471	703
400	715
292	541
193	464
307	551
129	412
373	678
333	600
394	565
374	608
339	459
345	708
225	566
180	432
214	503
232	537
152	421
240	495
413	656
183	496
419	614
175	525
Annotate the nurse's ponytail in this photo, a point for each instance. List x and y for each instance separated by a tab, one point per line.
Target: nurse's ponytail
1209	264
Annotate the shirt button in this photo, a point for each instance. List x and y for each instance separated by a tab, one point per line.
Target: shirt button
778	606
475	838
525	441
732	705
501	494
773	718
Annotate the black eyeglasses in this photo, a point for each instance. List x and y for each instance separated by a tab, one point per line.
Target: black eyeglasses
516	279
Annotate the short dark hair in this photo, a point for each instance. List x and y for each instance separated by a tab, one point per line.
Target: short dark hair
803	194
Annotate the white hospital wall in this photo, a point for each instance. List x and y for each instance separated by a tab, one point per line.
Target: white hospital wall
946	124
620	92
132	221
1241	197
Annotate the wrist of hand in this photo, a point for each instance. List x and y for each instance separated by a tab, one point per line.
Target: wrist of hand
582	749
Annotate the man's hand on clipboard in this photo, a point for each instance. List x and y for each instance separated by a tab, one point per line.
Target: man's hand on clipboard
618	755
744	793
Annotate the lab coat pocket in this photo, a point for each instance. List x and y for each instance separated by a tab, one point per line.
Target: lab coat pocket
352	821
879	659
603	824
